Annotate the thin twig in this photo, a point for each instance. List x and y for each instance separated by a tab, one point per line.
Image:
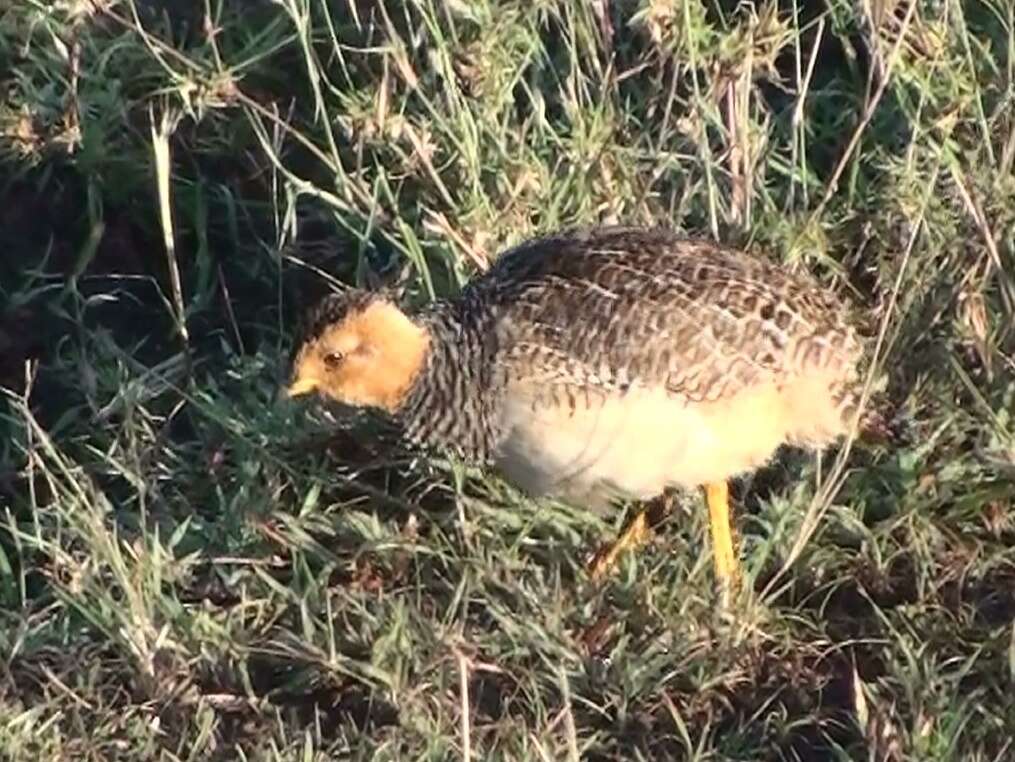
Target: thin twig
798	118
568	715
868	114
65	689
463	694
229	310
976	212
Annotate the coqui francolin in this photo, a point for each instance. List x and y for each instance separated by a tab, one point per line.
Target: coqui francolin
602	364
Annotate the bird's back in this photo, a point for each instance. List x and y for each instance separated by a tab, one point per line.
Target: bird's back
612	307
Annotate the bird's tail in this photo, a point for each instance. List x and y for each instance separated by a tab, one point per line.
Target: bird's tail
881	421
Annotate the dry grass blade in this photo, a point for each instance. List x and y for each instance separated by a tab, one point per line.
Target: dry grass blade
161	130
466	709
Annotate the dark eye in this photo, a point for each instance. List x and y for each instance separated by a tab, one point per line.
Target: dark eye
333	359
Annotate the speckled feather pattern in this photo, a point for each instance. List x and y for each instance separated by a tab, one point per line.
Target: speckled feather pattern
589	314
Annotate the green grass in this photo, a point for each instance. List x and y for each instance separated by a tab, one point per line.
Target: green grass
193	569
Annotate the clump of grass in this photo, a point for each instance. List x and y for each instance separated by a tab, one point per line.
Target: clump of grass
190	569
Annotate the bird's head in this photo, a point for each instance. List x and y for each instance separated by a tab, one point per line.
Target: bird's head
360	349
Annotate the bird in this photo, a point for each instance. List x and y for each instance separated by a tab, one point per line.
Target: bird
601	364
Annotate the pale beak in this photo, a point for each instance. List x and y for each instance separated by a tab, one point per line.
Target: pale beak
301	386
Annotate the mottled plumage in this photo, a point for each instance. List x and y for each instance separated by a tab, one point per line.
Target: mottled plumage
608	362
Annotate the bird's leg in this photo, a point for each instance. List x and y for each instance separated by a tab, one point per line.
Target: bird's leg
717	496
635	534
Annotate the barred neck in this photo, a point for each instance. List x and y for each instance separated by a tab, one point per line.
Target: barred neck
453	404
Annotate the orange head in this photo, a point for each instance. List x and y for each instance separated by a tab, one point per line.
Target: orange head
359	349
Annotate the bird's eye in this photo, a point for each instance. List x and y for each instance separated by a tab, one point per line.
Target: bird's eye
333	359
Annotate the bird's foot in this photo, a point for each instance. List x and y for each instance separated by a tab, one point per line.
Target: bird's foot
635	534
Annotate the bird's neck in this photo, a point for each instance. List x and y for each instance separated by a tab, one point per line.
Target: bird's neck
452	402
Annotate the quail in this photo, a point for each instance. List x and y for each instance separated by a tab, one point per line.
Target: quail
602	364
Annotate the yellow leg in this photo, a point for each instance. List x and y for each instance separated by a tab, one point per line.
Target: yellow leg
635	534
726	568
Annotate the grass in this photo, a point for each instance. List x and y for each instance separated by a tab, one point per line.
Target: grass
192	569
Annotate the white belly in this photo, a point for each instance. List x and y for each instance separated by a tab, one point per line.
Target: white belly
637	445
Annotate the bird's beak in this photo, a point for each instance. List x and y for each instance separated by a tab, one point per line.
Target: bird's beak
301	386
